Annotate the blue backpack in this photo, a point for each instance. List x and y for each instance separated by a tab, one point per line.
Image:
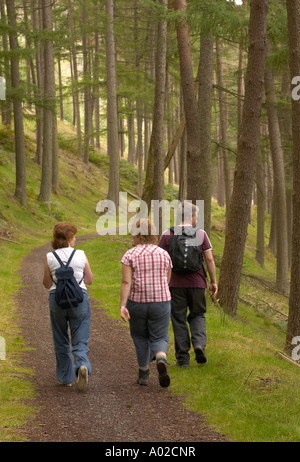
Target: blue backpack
68	293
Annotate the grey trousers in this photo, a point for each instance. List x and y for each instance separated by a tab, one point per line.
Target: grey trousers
184	300
149	329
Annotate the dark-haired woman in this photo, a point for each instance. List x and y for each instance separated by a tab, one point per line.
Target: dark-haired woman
76	319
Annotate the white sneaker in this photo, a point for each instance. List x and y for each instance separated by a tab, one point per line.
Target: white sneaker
82	379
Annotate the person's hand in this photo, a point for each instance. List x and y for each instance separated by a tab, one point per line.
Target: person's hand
124	313
213	289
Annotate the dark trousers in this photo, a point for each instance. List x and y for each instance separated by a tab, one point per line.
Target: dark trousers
188	308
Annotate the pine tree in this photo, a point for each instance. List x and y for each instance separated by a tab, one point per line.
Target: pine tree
232	260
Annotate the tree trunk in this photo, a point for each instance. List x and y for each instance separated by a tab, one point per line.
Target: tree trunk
232	260
96	100
139	117
154	181
223	129
75	82
282	269
190	106
285	124
204	106
260	231
35	13
6	105
87	93
293	327
49	107
20	191
112	107
159	112
130	129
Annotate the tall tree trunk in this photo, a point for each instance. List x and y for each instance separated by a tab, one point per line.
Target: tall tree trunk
35	15
282	268
75	81
96	91
293	327
139	117
130	129
159	112
260	232
232	260
223	129
87	88
20	191
285	123
49	107
6	105
112	107
190	106
204	105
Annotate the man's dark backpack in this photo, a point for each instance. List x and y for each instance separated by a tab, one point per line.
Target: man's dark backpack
184	250
68	294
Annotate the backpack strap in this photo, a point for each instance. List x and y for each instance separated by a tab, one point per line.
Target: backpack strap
68	262
71	256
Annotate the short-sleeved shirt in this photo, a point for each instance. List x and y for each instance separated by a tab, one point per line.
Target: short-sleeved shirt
150	265
197	279
78	263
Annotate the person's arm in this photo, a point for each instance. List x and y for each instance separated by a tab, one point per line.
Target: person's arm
211	267
47	280
169	274
125	290
88	275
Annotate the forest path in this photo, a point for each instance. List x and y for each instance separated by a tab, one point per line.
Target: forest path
114	408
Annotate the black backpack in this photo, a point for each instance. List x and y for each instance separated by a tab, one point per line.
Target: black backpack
184	250
68	294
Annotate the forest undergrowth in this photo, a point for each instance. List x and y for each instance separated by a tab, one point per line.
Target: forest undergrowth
247	390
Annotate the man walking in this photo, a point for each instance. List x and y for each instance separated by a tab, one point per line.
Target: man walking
188	283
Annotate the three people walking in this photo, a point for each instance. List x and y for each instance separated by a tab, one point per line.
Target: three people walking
153	291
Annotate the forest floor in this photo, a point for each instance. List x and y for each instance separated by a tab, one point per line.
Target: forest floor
114	408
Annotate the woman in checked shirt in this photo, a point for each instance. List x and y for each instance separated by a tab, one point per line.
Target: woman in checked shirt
145	300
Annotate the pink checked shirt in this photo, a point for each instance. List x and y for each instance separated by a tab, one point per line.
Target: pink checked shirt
150	265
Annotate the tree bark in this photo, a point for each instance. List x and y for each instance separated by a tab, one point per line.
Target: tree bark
6	105
35	13
159	112
112	107
232	260
293	327
190	106
20	191
87	93
282	268
49	106
223	129
205	76
75	82
260	230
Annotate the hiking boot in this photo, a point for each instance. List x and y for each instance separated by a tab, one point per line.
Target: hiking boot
82	379
163	375
200	355
143	378
179	364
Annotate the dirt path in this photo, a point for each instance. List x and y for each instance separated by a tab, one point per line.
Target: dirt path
114	408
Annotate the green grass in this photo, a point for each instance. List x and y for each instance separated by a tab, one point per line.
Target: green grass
245	390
